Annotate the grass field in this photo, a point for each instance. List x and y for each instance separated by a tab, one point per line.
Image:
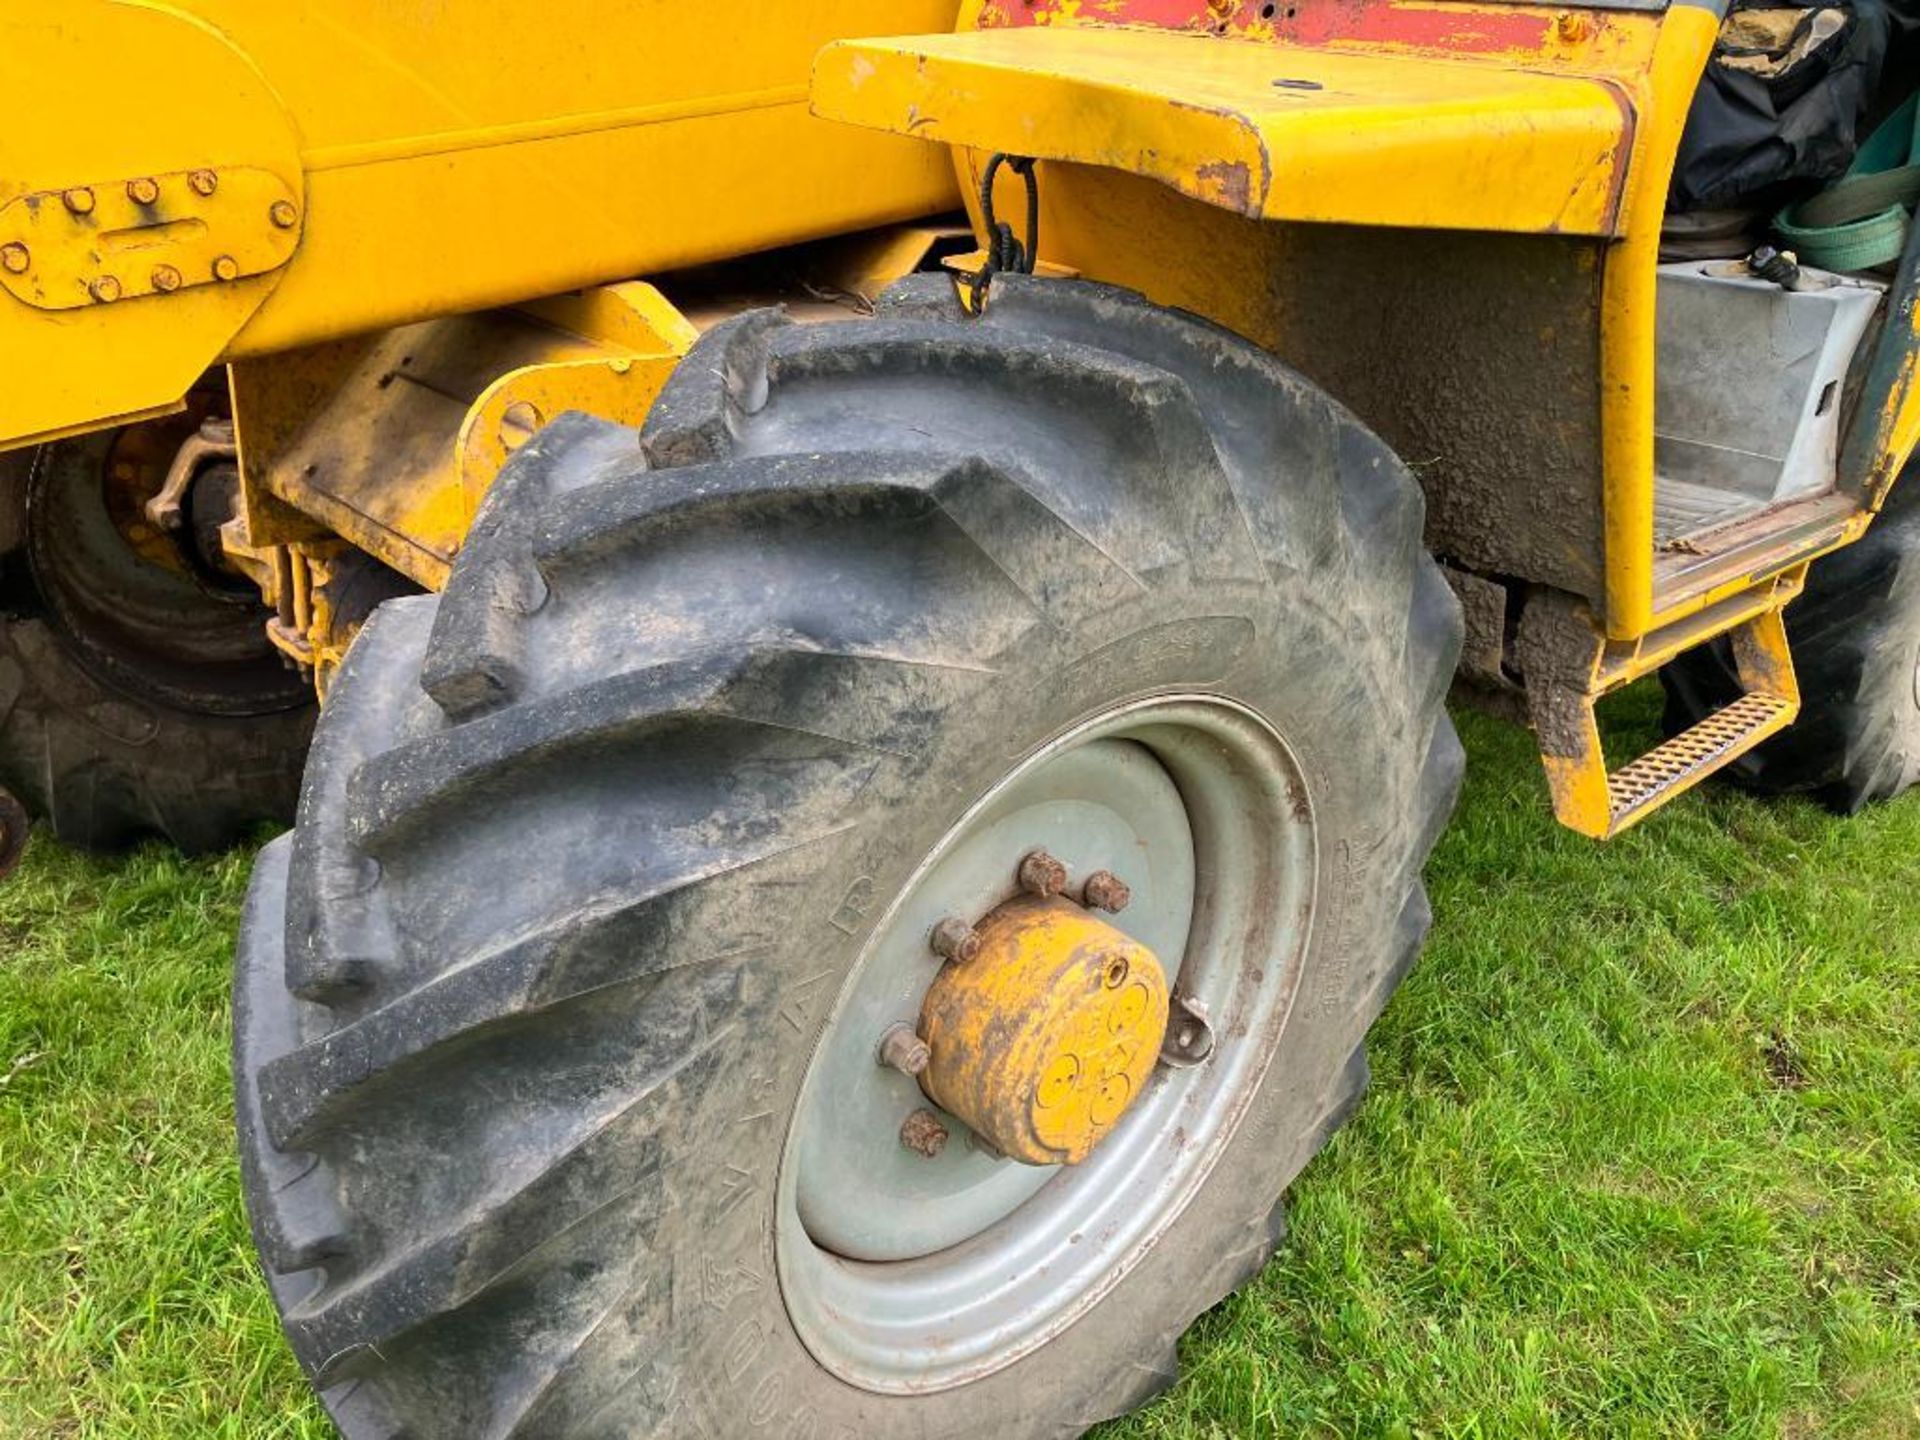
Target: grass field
1642	1155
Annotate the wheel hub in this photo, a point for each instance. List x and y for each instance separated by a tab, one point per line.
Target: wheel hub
1042	1040
913	1253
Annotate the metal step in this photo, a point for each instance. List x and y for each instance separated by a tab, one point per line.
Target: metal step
1678	763
1589	799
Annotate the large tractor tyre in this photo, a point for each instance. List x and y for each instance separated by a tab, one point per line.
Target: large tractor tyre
1855	637
617	862
139	695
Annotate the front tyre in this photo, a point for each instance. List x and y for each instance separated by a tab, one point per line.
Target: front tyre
557	1014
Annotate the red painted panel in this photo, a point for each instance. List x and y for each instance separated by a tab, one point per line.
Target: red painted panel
1441	28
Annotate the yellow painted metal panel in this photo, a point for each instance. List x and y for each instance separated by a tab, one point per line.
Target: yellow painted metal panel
444	158
392	440
1894	431
102	95
1628	302
460	156
1269	130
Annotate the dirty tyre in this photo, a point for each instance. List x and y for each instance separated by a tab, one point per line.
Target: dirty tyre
1855	637
597	847
133	703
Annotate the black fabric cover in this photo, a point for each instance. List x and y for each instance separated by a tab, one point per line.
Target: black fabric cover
1757	142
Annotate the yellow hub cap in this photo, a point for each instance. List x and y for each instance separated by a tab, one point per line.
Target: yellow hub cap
1043	1038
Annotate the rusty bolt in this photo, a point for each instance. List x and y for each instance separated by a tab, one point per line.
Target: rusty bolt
16	257
106	289
904	1051
204	182
283	214
922	1133
954	939
143	191
1042	875
1105	890
1573	26
226	268
79	200
166	279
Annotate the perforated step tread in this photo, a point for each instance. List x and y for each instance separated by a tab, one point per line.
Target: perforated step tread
1695	752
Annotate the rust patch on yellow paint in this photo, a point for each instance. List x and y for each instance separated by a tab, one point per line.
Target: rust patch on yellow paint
1228	183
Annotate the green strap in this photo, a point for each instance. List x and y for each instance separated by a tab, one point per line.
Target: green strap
1861	220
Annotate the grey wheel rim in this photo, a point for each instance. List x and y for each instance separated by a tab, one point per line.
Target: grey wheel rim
906	1275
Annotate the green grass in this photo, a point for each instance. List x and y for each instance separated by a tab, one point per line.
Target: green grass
1642	1155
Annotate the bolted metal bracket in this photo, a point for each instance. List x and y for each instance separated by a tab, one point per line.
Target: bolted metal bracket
213	441
1189	1037
111	241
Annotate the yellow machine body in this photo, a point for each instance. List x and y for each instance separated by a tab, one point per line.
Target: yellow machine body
1449	214
414	234
1042	1040
442	159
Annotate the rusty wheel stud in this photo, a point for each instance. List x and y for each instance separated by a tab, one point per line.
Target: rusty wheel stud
954	939
904	1051
922	1133
1105	890
1040	874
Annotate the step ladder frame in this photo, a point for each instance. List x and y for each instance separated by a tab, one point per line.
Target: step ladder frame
1570	668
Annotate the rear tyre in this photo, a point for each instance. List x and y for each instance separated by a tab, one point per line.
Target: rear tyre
137	699
1855	637
602	849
